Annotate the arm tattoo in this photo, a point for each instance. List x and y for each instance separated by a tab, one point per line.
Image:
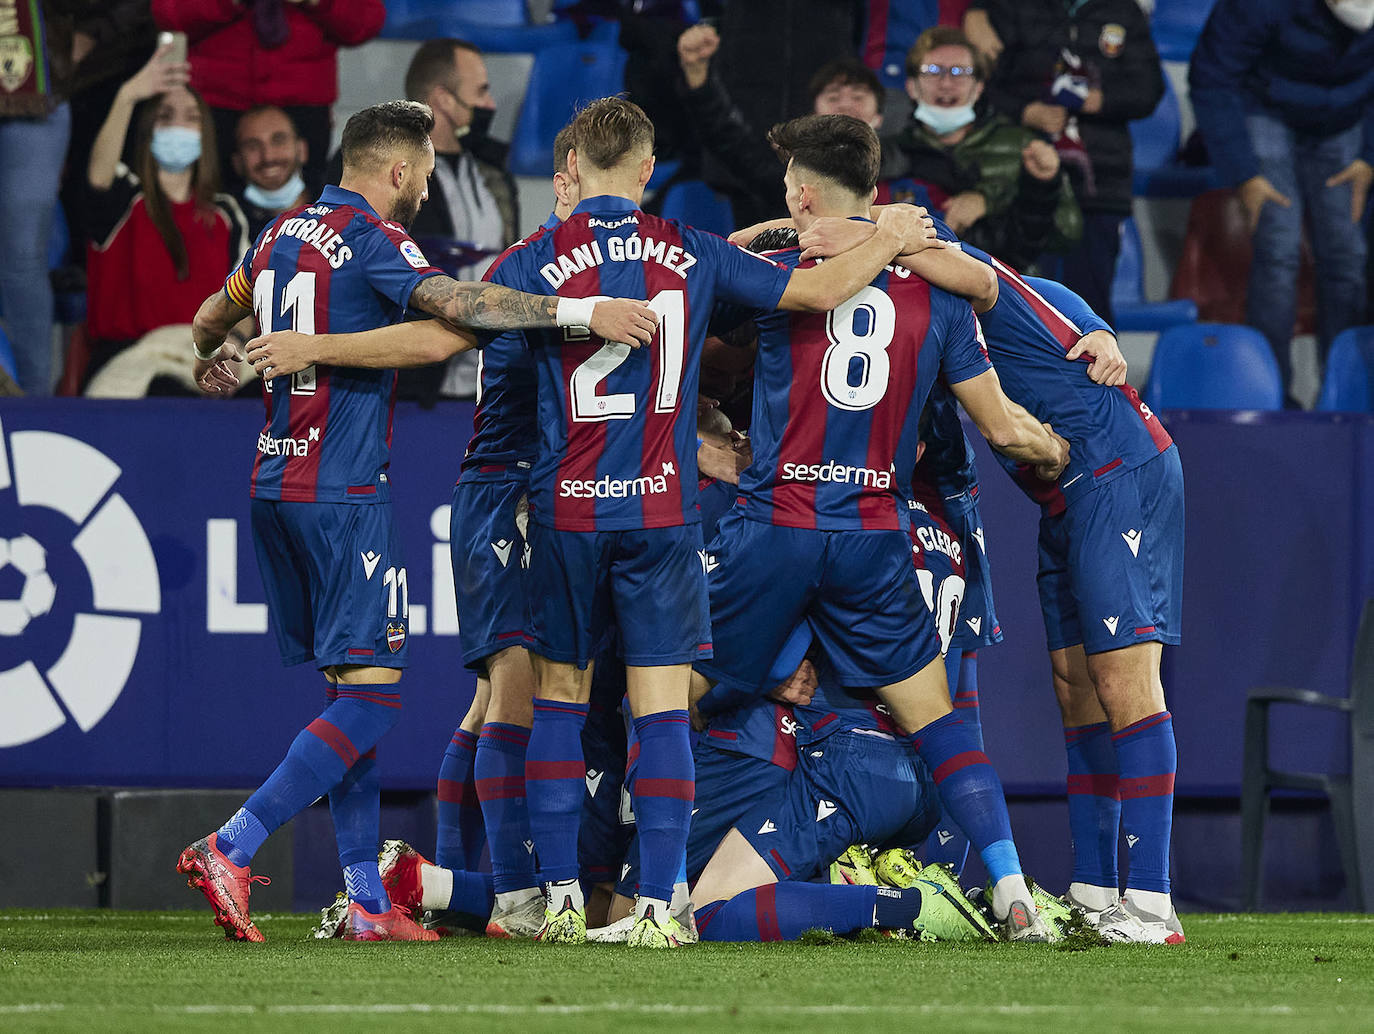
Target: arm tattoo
482	306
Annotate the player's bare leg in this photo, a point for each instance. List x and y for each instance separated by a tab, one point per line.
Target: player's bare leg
734	868
969	790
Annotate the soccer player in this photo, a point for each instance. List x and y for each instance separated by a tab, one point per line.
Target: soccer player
836	409
613	522
320	492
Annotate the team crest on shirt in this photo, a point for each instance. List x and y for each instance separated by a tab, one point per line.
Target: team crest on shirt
1112	40
16	60
395	635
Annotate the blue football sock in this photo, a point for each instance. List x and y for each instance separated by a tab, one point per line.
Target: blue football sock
555	783
784	911
499	772
458	843
1148	759
355	805
323	752
664	788
472	896
947	844
364	885
1094	804
970	792
241	836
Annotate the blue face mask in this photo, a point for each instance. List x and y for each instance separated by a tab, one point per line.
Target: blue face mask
944	120
176	148
275	200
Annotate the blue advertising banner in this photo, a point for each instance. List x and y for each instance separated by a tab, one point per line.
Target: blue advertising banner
134	647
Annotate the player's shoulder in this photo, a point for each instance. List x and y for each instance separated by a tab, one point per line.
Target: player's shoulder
522	248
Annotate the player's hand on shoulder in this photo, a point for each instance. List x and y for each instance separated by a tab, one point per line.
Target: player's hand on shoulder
831	235
624	319
1051	471
912	225
217	377
1108	365
280	352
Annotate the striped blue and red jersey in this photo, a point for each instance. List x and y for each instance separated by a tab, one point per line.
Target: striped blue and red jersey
505	430
1110	430
838	399
334	267
617	426
763	729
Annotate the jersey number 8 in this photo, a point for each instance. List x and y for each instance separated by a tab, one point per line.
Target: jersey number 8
860	330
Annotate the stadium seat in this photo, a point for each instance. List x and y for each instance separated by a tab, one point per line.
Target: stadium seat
1351	796
1155	143
1348	384
496	26
1213	366
565	77
1129	307
1176	25
696	204
7	356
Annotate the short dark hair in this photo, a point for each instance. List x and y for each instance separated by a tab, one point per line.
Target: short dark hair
374	135
607	130
943	36
775	238
846	71
562	144
432	65
839	147
258	109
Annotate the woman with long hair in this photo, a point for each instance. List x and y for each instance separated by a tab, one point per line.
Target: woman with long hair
162	235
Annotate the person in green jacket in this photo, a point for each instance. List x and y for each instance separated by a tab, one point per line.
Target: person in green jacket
999	186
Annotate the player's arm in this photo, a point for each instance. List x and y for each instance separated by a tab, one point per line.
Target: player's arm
1010	428
900	229
420	343
212	323
946	267
485	306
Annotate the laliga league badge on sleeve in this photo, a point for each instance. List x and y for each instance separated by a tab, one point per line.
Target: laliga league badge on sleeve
1112	40
414	255
16	61
395	635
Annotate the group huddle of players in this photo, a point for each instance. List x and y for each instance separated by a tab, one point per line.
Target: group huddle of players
810	598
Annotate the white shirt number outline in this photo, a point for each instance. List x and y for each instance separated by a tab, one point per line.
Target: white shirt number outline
297	298
870	347
671	337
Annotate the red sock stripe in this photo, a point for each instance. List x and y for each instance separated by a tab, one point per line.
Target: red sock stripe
465	739
458	791
766	912
555	770
1142	725
1077	733
372	696
1146	786
500	788
679	789
1096	784
522	738
334	737
959	761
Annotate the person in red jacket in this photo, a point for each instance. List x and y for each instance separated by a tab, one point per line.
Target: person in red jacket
281	52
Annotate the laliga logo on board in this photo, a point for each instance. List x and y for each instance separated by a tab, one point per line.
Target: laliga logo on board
64	475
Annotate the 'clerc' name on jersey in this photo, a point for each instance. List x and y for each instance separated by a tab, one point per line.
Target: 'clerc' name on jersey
618	249
838	473
315	233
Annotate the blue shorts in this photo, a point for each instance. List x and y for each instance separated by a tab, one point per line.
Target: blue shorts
649	583
335	581
857	588
978	624
1111	565
488	550
848	788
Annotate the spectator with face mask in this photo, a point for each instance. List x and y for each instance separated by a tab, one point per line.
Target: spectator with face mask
269	155
1284	96
162	235
998	185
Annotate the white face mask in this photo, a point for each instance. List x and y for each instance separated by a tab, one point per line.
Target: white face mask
1354	14
942	120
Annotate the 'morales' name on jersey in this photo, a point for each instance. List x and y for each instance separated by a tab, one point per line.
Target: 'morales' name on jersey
838	399
617	425
335	267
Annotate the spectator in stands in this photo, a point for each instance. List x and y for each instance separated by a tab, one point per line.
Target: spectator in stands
1284	96
162	236
844	86
472	214
270	155
284	52
998	185
1077	72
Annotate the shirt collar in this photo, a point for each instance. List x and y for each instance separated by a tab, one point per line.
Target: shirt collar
552	222
332	195
606	203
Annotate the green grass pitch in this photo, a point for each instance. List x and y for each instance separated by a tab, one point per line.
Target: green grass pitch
106	972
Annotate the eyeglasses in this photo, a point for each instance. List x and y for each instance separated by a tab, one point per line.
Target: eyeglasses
953	71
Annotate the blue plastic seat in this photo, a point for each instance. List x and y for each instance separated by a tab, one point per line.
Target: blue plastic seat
7	356
495	26
696	204
566	76
1129	307
1176	25
1348	384
1213	366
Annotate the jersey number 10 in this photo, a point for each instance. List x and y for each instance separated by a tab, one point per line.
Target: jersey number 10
297	298
671	338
